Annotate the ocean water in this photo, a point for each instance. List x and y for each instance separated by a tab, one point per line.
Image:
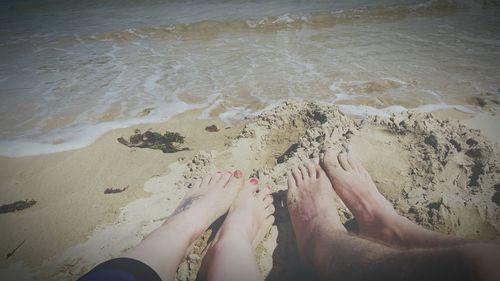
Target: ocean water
72	70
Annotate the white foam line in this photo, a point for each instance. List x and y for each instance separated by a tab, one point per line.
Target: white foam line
85	134
82	135
214	102
364	111
434	107
239	113
284	19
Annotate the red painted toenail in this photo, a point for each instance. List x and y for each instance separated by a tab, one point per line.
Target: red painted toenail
254	181
238	174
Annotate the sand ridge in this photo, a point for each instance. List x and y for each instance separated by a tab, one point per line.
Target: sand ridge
438	173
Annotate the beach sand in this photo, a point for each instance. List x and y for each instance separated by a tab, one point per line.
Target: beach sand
69	186
436	171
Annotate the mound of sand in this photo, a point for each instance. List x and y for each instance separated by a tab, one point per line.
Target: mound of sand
438	173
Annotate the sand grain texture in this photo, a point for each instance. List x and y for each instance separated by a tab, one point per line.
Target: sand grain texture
438	173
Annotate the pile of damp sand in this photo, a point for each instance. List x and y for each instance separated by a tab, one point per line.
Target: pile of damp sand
438	173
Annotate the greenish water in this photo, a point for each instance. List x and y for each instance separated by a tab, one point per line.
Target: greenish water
72	70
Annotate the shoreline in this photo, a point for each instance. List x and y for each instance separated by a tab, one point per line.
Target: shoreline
349	107
73	214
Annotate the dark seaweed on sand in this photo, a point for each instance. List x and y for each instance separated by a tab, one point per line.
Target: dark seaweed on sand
16	206
168	142
111	190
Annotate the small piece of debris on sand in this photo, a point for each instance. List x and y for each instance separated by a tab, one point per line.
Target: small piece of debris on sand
16	206
111	190
211	128
15	249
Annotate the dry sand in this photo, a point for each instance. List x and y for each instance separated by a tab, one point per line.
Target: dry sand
69	186
439	173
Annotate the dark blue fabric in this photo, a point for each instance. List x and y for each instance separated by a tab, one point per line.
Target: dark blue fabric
109	275
121	269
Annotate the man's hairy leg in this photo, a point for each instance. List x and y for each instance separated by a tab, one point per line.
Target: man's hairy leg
337	255
334	254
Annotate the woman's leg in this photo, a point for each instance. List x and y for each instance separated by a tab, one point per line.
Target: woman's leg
209	198
230	256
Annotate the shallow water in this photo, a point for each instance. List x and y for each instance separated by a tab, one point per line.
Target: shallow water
72	70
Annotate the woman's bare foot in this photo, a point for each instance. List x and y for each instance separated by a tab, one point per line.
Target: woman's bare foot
311	205
230	256
251	213
375	215
208	199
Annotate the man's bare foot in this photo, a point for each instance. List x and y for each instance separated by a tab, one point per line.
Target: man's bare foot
251	214
311	204
375	215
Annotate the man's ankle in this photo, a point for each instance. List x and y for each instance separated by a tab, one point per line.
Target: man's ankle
481	260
